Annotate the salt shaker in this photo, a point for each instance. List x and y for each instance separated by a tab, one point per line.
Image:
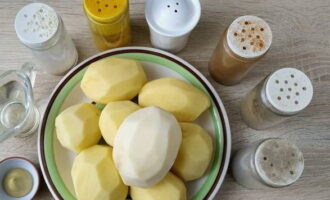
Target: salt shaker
244	42
109	22
269	163
171	22
282	94
41	29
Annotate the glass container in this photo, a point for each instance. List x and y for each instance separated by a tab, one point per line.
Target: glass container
109	22
243	43
280	95
18	113
41	29
268	163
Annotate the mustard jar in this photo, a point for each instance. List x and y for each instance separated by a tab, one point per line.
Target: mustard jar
109	22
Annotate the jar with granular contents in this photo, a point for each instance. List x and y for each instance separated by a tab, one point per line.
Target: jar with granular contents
266	163
41	29
109	22
244	42
282	94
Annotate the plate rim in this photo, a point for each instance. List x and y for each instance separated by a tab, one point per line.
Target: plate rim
147	50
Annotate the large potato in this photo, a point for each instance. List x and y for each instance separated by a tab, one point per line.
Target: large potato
113	79
112	116
95	176
77	127
180	98
170	188
195	153
146	146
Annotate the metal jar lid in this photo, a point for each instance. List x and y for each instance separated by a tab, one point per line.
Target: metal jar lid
278	162
36	25
173	18
105	11
288	91
249	36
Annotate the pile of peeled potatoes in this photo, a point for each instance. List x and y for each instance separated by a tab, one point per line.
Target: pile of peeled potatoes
152	145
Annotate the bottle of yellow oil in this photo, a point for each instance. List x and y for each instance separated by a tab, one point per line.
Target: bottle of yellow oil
109	22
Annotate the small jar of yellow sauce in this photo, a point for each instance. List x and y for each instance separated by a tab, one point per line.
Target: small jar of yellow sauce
109	22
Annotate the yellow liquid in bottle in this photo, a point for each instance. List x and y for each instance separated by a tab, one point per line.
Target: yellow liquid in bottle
109	22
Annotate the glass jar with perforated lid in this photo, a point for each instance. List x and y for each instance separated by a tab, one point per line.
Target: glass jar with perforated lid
282	94
109	22
41	29
272	162
246	40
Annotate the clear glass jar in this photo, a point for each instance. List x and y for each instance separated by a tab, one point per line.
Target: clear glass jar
280	95
243	43
266	163
42	30
18	113
109	22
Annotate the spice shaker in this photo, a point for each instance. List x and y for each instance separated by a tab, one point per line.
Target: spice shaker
170	22
109	22
272	163
41	29
280	95
243	43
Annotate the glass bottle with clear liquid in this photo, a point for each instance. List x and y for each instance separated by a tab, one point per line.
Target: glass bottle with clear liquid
18	113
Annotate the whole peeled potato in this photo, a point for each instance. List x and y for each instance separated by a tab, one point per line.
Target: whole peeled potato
146	146
178	97
95	176
77	127
170	188
113	79
112	116
195	153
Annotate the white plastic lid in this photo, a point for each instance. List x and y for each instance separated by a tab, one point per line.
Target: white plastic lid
278	162
249	36
289	90
35	24
172	17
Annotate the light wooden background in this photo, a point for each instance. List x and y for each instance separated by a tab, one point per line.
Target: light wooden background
301	30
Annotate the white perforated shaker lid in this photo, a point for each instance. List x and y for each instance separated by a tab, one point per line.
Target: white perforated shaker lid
36	24
172	17
249	36
278	162
288	90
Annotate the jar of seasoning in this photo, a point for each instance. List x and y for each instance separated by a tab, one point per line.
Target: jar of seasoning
109	22
244	42
41	29
280	95
268	163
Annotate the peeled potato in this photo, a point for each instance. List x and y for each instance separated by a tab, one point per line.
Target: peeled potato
146	146
95	176
77	127
170	188
182	99
113	79
195	153
112	116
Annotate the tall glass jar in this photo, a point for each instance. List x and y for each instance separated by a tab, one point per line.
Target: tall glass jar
244	42
41	29
109	22
266	163
280	95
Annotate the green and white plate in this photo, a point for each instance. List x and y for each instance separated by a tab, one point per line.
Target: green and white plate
56	161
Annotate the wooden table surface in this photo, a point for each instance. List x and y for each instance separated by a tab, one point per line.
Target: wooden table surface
301	30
